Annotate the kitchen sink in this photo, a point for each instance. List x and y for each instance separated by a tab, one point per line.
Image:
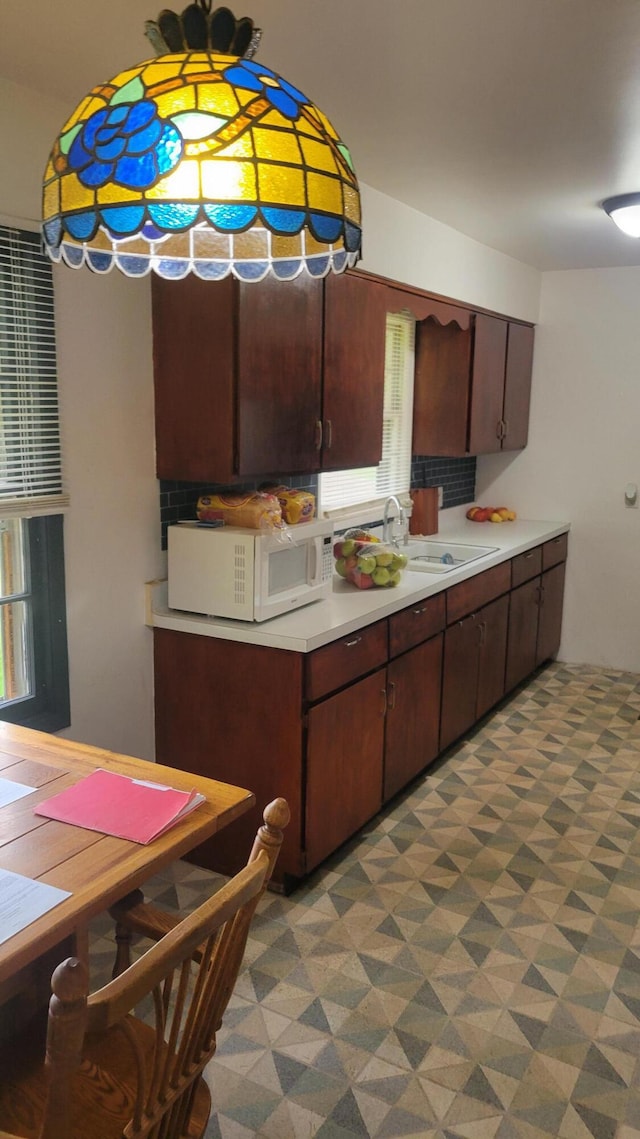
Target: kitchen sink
441	557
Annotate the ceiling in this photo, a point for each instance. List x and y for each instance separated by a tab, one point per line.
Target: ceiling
509	120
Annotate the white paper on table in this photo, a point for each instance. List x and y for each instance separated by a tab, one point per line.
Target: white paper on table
22	900
10	791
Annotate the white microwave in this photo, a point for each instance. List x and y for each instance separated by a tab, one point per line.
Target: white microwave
248	574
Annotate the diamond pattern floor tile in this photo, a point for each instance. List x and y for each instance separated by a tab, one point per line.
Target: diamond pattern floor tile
469	966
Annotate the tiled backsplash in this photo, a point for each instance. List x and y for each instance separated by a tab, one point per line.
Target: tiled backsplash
457	477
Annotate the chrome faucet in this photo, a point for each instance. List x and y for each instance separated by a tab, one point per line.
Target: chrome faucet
388	534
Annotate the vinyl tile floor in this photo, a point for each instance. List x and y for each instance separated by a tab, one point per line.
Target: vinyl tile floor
469	966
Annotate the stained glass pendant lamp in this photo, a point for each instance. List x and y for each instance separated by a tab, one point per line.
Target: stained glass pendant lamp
202	161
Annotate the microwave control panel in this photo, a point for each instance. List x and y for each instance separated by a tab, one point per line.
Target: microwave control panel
327	558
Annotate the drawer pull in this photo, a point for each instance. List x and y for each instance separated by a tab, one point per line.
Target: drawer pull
529	555
417	612
350	644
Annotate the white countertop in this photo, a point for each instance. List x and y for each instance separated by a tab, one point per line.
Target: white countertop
349	608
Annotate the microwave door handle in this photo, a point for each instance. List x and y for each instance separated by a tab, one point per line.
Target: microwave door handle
314	571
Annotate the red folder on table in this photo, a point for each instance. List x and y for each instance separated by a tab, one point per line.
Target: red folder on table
135	809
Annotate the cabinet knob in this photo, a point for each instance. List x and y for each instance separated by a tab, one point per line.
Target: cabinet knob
318	434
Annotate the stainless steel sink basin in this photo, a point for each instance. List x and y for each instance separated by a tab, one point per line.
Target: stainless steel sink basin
441	557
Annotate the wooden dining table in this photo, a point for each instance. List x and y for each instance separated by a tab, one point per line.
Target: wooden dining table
96	868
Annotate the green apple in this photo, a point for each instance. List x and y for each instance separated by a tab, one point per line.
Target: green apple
366	563
384	558
395	578
348	547
341	567
381	575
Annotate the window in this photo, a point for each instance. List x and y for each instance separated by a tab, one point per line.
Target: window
340	490
34	688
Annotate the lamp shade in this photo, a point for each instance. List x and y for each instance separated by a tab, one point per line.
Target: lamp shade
624	210
201	161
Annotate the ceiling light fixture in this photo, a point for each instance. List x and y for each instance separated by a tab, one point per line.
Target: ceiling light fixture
201	161
624	210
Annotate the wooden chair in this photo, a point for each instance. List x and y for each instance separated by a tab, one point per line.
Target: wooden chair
103	1072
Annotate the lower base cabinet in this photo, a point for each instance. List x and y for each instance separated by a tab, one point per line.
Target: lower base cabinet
414	683
345	746
340	730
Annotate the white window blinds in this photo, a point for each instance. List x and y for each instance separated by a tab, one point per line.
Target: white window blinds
340	490
30	458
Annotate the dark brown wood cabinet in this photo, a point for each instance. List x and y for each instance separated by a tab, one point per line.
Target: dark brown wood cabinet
535	609
472	385
267	378
340	730
475	651
344	757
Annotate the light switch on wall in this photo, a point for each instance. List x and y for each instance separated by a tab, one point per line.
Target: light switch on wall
631	494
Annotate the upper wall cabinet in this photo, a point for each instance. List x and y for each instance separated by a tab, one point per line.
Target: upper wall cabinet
268	377
472	384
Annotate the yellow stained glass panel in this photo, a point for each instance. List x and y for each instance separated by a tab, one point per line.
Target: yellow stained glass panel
159	72
73	195
175	101
281	185
111	194
219	98
318	156
183	184
241	148
324	193
51	199
351	203
276	144
228	181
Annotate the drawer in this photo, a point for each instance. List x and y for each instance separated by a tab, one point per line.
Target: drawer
477	591
416	624
554	551
526	566
345	660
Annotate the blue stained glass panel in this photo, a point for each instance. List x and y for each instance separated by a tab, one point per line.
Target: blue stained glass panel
352	237
283	221
287	270
137	173
251	270
99	262
325	227
318	266
211	270
173	267
73	254
173	215
53	232
231	219
122	220
131	265
82	226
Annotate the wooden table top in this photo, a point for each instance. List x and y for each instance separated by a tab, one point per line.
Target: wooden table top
97	869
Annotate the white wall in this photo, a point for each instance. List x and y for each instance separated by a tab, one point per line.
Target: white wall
583	449
112	529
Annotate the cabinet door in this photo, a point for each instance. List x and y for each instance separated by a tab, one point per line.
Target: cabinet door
487	385
459	679
194	378
523	632
493	621
413	710
441	390
517	386
345	743
550	624
353	372
278	376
